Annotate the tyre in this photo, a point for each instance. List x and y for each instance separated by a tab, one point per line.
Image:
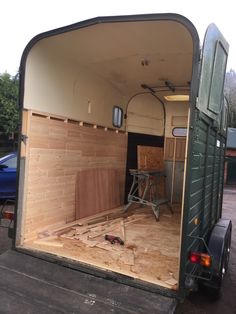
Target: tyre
219	245
226	254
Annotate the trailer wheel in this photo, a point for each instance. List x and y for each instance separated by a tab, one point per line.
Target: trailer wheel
216	292
226	254
219	246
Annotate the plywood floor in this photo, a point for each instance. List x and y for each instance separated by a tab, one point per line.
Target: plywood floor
150	251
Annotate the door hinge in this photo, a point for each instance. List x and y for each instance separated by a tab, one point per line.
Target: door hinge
200	54
24	138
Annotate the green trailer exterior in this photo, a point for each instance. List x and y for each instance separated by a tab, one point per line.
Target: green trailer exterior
206	156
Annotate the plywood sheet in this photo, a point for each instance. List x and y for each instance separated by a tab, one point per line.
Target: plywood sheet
97	190
150	157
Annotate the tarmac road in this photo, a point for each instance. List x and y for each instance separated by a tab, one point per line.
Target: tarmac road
196	303
5	242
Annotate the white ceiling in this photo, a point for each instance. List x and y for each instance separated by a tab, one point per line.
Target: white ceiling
129	54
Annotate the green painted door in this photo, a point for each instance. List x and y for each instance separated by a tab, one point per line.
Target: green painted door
205	163
213	66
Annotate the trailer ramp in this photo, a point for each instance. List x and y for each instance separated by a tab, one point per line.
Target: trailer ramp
33	285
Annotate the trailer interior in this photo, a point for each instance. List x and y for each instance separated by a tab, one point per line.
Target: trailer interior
99	100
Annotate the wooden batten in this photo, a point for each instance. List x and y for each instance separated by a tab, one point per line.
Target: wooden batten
25	131
24	157
173	169
40	114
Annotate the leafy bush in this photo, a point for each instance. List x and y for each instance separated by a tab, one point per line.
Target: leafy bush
9	112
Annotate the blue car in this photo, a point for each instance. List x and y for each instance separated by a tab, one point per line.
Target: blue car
8	176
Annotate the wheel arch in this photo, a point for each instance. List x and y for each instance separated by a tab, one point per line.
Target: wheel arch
217	242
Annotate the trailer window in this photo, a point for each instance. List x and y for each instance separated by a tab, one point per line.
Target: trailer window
179	132
217	82
117	116
224	117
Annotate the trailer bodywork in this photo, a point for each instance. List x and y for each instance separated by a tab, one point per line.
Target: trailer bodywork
202	159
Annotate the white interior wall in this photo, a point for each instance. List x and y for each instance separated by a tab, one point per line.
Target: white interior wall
145	115
176	116
81	74
60	87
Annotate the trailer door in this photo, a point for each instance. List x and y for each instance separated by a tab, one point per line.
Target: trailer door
204	175
213	67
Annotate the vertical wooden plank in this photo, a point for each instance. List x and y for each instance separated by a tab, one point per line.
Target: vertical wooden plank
180	149
169	148
23	176
175	149
173	172
25	131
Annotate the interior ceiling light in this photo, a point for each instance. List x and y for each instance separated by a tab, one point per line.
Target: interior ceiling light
177	98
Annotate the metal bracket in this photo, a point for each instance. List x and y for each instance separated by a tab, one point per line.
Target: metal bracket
204	242
199	266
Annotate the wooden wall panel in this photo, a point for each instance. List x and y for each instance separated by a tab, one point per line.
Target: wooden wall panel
180	149
175	150
169	148
175	157
179	121
58	151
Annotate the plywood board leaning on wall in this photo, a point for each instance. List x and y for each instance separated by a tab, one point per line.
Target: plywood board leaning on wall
98	190
150	157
